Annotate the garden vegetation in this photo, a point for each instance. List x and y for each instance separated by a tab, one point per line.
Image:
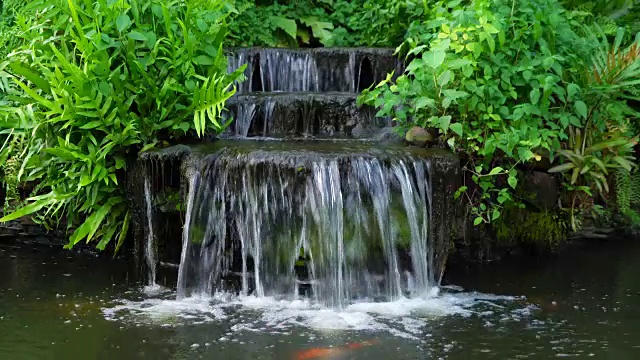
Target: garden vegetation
509	85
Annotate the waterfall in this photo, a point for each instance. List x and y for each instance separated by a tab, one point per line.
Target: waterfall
335	218
252	211
150	254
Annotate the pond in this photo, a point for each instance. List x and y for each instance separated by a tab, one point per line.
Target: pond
582	303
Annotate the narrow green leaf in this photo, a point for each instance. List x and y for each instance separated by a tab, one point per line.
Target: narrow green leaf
29	209
562	168
123	232
31	75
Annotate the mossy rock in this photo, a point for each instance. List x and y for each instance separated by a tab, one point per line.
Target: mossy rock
543	230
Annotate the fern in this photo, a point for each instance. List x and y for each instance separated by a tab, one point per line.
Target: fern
623	190
634	189
209	100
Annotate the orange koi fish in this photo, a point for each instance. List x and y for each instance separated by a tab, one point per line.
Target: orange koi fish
319	353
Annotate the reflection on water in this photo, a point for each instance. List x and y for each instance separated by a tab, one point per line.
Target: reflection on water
584	303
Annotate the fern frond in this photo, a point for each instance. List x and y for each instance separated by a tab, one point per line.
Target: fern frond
208	102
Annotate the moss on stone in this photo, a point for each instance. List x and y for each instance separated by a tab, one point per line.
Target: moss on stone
543	230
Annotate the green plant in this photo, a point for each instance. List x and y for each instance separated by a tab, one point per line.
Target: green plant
281	23
602	143
495	80
295	23
100	80
374	22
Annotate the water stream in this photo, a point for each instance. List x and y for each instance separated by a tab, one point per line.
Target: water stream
150	253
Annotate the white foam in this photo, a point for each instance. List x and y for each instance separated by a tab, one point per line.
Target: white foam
405	317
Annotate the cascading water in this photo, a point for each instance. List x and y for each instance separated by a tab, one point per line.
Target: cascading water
254	213
312	70
150	254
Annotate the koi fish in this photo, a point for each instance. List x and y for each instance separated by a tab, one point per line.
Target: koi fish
319	353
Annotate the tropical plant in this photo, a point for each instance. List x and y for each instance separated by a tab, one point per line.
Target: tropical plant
99	80
603	142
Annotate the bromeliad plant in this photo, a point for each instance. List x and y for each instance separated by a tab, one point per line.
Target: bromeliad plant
98	78
502	82
604	143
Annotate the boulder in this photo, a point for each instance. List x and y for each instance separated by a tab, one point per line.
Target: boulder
419	137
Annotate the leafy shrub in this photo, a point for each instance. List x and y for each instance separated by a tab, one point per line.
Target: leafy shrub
507	85
100	78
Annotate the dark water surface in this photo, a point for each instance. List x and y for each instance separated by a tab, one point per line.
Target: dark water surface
583	303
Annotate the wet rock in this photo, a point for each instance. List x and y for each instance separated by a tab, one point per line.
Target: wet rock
419	137
388	135
280	114
541	189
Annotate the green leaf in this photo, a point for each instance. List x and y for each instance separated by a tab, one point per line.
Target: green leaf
287	25
135	35
433	58
456	128
423	102
123	232
29	209
581	108
513	181
91	125
534	95
31	75
444	122
496	170
562	168
122	22
572	90
477	221
495	215
203	60
444	78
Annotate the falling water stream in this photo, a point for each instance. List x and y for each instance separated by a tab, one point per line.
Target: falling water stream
252	215
150	254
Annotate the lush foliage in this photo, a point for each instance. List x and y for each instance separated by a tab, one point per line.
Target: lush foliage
510	85
324	22
98	80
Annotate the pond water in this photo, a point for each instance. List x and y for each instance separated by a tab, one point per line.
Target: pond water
583	303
